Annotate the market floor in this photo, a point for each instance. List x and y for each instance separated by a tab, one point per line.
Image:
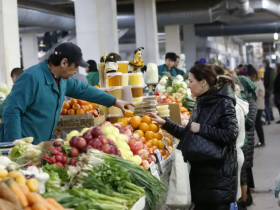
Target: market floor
266	168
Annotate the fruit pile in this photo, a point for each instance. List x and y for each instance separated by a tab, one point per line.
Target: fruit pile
17	192
148	133
58	155
77	106
92	138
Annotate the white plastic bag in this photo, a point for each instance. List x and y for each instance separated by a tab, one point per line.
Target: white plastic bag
179	192
277	186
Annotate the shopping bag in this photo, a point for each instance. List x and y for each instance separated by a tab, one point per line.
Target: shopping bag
179	192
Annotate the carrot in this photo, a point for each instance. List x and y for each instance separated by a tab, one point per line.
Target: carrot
6	205
24	189
34	198
39	206
17	191
7	194
54	203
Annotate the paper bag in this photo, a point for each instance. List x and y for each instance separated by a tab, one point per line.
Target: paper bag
179	192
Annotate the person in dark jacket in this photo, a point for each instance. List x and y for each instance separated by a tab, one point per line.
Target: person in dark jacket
276	89
249	95
213	182
269	76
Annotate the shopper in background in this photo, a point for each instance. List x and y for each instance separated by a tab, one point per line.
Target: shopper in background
170	59
276	89
92	73
16	72
269	76
35	103
260	92
261	72
249	95
213	180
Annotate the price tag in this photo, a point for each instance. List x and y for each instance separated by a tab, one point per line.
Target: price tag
154	170
158	155
166	145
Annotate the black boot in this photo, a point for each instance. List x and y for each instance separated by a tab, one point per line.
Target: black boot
249	200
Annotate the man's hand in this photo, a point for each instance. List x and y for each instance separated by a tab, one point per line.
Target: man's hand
123	105
195	127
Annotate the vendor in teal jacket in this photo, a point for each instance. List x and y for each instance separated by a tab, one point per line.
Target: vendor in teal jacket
170	59
34	105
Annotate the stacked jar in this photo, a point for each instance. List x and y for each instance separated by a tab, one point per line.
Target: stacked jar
137	89
147	104
163	111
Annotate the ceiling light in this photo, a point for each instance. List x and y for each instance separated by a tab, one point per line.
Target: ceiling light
275	36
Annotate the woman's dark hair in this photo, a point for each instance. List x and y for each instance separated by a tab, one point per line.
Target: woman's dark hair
92	66
219	70
56	60
252	72
207	72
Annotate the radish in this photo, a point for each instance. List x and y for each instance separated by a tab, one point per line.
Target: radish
55	152
51	160
58	158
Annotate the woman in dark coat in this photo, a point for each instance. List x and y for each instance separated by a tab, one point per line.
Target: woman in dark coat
213	180
276	89
249	95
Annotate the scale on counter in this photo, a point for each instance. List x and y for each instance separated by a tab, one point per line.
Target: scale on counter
5	147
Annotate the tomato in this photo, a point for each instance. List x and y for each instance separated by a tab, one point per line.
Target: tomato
80	111
76	107
71	112
66	105
95	113
73	101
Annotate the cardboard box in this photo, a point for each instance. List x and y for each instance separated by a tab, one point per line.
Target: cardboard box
175	113
79	121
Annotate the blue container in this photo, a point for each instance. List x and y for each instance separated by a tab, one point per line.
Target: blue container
233	206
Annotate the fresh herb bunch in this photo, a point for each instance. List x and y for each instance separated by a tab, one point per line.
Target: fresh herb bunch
62	172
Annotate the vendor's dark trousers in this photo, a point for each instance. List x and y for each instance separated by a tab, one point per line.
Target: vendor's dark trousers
259	126
220	207
268	107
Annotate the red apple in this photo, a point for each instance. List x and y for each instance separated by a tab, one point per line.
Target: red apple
153	158
128	132
149	160
72	162
95	132
145	164
96	144
140	145
58	158
72	141
103	140
128	128
144	154
81	143
106	148
131	141
57	143
59	165
74	152
87	137
134	148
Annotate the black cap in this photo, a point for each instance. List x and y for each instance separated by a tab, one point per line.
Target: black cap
72	52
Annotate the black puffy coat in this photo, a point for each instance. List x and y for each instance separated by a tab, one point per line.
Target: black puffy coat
213	183
250	130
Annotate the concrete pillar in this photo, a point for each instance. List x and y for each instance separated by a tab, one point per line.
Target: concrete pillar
29	49
189	45
146	29
96	28
172	39
9	40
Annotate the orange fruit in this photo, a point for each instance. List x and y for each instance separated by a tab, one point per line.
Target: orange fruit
143	139
95	106
66	105
154	148
149	144
76	107
144	127
162	152
90	107
160	144
64	112
171	149
168	141
80	111
87	107
155	142
167	153
135	122
73	101
158	136
81	102
128	113
123	120
146	119
154	127
140	132
71	111
149	135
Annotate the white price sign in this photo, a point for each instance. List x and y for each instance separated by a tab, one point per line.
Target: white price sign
166	145
159	156
154	170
